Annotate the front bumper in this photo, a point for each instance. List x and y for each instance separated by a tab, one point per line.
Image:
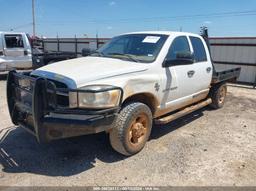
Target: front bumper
39	108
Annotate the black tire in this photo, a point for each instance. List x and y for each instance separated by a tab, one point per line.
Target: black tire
218	95
131	129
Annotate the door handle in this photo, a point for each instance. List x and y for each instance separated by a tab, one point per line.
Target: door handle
208	69
191	73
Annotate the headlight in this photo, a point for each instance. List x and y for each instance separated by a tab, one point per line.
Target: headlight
95	97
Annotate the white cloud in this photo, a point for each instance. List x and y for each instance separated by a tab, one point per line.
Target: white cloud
208	22
112	3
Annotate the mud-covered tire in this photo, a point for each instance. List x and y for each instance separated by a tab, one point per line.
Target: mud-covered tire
218	95
134	120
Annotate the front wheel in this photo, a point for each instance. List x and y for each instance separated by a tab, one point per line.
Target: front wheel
131	129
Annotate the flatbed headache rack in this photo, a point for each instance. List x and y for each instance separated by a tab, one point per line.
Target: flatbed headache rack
220	75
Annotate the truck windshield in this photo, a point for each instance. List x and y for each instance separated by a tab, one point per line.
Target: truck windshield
133	47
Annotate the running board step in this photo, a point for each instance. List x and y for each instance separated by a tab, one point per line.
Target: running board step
183	112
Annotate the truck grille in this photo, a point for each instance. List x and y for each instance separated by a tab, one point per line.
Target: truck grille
62	98
59	84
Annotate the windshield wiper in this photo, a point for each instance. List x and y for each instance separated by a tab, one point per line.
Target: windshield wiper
129	56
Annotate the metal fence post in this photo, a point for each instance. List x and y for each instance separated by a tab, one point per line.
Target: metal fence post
75	45
97	41
254	85
58	44
43	44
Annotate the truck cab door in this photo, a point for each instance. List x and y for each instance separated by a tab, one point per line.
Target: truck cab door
17	51
202	65
183	82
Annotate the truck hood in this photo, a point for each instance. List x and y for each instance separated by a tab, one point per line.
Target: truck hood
78	72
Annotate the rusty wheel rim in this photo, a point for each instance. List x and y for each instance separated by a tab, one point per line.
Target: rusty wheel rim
222	95
138	130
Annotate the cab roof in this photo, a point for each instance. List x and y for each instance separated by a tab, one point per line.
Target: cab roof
11	32
169	33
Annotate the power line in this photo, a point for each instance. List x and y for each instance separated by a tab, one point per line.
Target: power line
154	19
20	26
145	19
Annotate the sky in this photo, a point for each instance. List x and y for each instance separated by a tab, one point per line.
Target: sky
107	18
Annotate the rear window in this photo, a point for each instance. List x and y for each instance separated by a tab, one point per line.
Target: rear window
199	50
14	41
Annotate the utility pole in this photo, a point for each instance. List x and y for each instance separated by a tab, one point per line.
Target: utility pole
33	16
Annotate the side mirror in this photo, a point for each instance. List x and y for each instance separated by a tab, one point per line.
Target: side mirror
182	58
86	52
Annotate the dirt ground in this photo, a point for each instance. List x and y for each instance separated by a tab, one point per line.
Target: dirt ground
205	148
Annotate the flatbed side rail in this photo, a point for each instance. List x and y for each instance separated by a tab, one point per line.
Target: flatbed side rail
226	75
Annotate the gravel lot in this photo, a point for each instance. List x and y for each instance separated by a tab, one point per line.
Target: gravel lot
205	148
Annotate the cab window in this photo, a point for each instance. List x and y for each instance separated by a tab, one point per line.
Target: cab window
14	41
199	50
179	44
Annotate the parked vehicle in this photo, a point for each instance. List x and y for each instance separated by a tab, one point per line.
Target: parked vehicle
131	82
16	52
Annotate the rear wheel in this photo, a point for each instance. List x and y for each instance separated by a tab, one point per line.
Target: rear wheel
218	94
131	129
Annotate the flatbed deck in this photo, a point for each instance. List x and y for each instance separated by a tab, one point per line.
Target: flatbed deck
224	74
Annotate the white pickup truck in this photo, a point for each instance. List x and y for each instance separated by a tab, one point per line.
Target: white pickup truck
131	82
16	52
